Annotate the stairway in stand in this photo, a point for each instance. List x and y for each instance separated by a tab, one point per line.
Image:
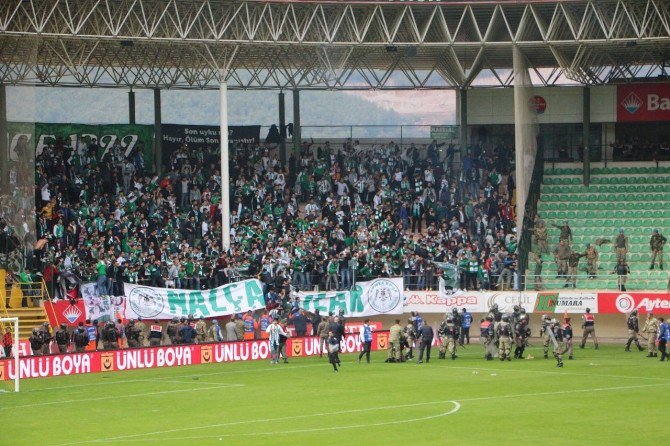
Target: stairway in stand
11	298
29	318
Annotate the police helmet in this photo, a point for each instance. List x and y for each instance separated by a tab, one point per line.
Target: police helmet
494	307
35	330
505	318
63	325
183	319
634	312
554	321
454	310
522	310
175	319
489	318
516	308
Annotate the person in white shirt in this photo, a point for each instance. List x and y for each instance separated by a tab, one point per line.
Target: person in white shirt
274	330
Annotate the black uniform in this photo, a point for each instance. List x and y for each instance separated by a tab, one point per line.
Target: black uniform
426	336
633	329
522	332
80	339
110	337
62	339
36	343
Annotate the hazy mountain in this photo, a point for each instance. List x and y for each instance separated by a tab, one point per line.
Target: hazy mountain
318	108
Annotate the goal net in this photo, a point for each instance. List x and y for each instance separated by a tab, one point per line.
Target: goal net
9	356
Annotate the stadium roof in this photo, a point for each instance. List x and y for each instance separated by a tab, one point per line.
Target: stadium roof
329	44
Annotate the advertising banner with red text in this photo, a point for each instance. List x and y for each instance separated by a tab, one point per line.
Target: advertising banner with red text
643	102
622	302
169	356
473	301
559	302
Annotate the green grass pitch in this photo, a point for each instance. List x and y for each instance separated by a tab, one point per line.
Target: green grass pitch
602	397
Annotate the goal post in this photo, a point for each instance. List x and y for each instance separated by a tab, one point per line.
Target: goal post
13	324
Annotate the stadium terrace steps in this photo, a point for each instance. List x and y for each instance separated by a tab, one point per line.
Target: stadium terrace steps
29	318
629	197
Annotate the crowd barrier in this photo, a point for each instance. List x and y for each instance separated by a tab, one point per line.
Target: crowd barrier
435	302
172	356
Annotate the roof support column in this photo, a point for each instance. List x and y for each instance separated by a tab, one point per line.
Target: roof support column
297	139
282	128
462	95
586	133
225	174
131	107
158	133
4	146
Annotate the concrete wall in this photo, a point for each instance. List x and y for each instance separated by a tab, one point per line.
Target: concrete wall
564	105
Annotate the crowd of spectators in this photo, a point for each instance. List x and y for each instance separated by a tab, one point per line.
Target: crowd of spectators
328	217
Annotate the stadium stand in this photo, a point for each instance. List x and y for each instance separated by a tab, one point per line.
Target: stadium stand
628	197
306	223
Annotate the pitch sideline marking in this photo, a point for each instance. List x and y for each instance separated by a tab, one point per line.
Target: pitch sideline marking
554	372
225	372
169	431
103	398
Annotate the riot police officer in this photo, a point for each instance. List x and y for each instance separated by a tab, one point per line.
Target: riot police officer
155	334
139	324
486	337
633	329
410	336
449	333
522	333
172	330
504	338
80	338
62	338
110	337
133	334
544	332
35	340
556	332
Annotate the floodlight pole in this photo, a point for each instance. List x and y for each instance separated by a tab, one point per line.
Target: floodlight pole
4	140
282	128
131	107
463	120
158	130
297	140
225	174
17	365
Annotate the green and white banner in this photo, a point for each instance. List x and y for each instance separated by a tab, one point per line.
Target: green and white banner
163	303
26	137
379	296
